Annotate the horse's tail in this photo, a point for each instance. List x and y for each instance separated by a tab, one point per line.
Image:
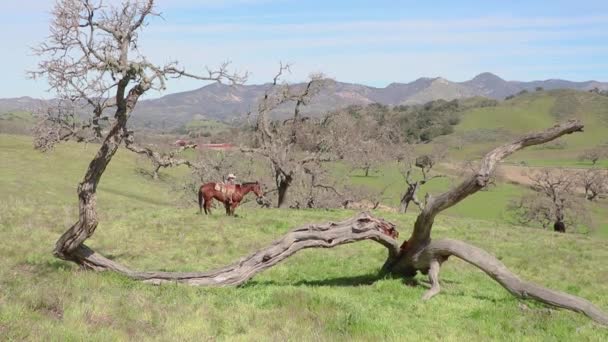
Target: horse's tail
200	200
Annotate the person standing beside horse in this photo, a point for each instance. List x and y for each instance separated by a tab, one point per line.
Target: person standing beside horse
228	193
230	186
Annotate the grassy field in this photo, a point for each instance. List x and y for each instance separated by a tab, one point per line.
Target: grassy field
483	128
490	205
315	295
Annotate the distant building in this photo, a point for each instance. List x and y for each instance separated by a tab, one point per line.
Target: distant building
218	147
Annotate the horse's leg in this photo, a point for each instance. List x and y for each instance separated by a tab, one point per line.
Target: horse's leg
208	206
233	208
229	210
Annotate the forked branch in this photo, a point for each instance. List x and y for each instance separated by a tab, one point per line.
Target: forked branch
479	179
442	249
161	159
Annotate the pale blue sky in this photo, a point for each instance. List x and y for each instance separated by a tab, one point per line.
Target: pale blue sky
370	42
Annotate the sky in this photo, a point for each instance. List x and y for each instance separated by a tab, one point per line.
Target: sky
369	42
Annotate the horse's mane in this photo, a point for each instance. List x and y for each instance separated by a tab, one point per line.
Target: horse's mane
248	183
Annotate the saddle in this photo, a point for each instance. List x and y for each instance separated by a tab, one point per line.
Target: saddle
226	189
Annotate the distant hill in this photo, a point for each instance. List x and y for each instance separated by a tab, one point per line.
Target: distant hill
482	128
226	103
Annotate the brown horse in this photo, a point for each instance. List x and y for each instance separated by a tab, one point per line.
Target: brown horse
208	192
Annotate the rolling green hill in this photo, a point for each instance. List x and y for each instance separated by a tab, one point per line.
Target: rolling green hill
315	295
16	122
482	128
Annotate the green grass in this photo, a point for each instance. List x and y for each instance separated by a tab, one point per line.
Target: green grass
17	116
17	122
490	204
315	295
484	128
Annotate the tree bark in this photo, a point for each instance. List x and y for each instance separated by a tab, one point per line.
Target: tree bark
438	251
407	262
324	235
87	197
282	187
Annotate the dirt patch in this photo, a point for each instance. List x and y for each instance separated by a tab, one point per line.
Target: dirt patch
24	269
96	320
516	174
521	174
53	311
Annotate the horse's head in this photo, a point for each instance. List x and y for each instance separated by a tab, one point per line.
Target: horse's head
257	190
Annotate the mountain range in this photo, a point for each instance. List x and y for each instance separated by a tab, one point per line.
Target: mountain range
226	103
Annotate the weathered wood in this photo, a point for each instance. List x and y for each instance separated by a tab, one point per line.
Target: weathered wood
324	235
440	250
421	236
419	253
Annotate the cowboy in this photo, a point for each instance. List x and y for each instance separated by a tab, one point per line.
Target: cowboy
230	179
230	186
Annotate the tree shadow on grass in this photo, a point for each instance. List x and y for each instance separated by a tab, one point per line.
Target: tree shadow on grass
360	280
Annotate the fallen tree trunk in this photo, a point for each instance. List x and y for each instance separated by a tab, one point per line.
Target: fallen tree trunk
442	249
324	235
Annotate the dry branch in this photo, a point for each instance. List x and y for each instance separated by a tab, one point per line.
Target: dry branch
424	222
420	253
325	235
163	160
501	274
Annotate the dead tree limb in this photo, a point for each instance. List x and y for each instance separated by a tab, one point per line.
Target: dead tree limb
325	235
161	160
420	253
442	249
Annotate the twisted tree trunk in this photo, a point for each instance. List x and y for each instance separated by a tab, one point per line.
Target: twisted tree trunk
420	253
324	235
87	197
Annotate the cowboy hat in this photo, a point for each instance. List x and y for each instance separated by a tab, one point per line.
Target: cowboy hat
230	176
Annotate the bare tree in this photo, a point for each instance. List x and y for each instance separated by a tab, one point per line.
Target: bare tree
594	154
161	160
556	185
365	197
316	189
554	203
277	139
595	183
407	165
372	147
92	57
59	122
